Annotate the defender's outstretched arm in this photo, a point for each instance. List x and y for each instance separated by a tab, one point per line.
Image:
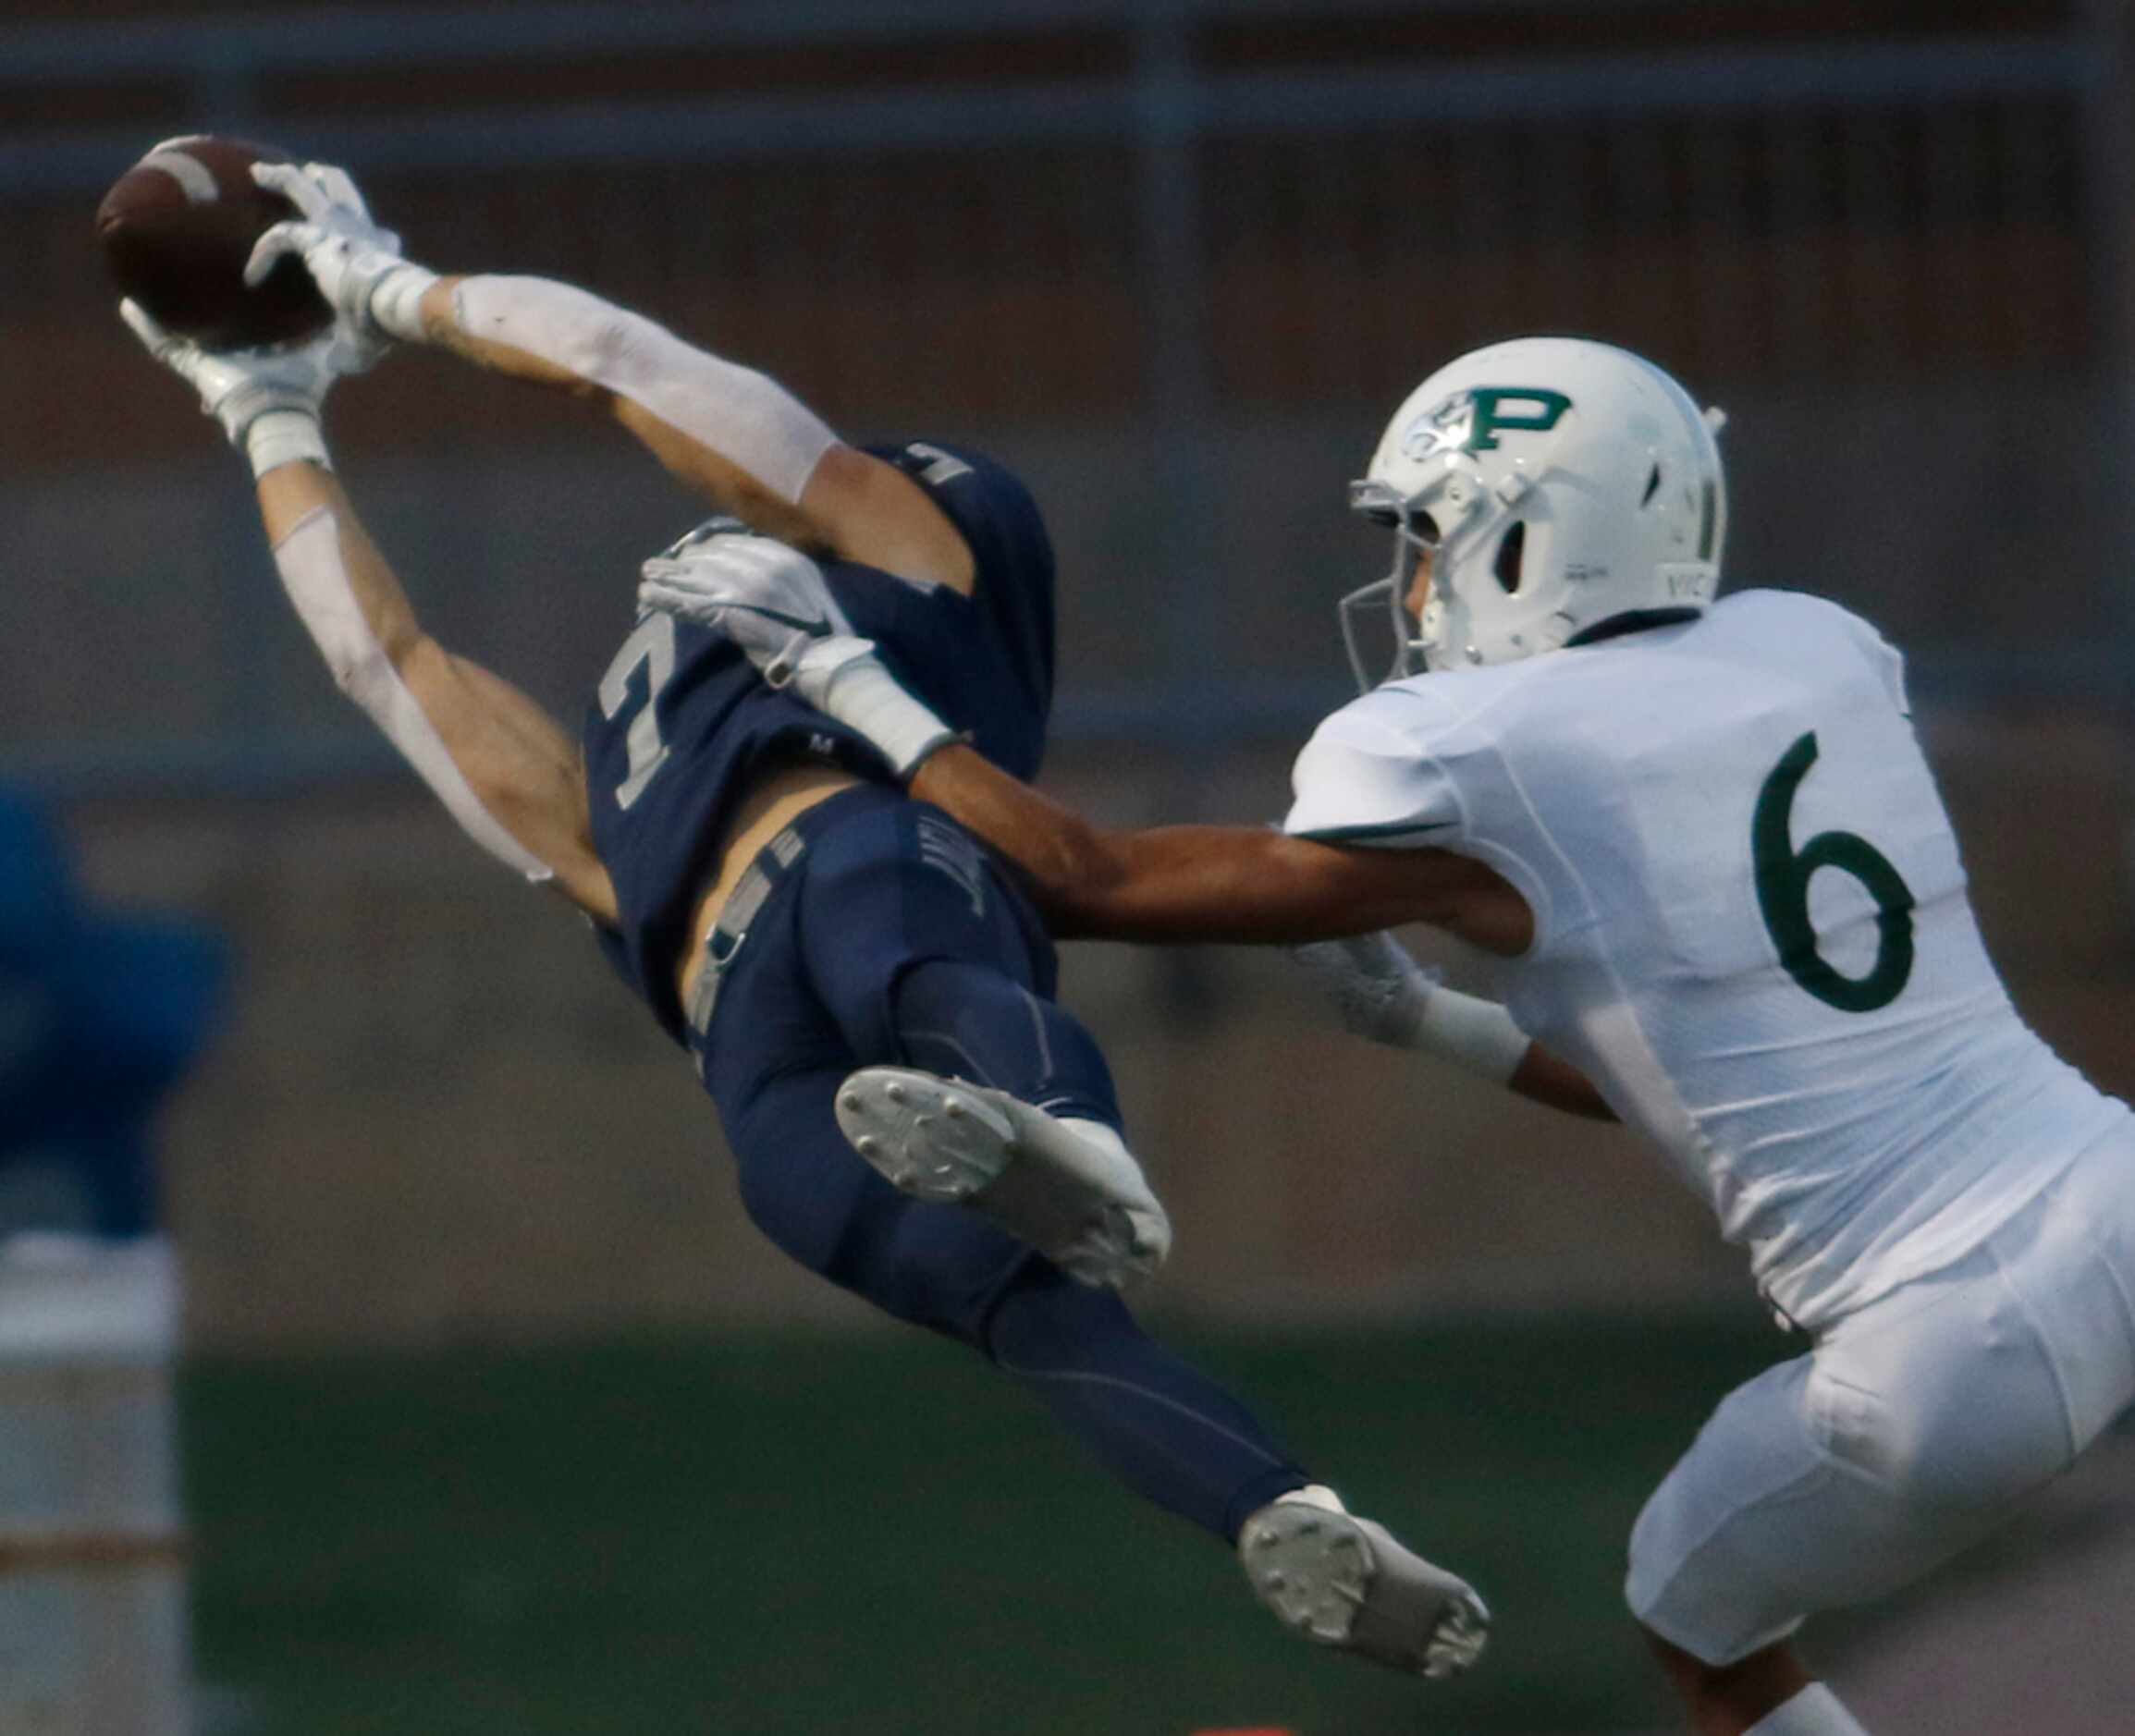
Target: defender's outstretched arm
1193	883
1203	883
730	431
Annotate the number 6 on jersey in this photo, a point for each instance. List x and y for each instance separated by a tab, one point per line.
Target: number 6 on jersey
1783	877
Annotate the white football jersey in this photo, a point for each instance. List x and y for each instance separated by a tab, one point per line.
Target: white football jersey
1751	926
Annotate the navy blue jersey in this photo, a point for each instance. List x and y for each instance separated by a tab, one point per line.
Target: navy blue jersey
681	725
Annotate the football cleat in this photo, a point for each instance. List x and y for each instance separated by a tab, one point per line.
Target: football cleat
1079	1201
1345	1583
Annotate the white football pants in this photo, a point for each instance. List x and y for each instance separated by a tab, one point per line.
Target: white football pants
1910	1431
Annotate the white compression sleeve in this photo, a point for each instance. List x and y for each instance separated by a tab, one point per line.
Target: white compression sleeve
747	418
1472	1033
313	573
1815	1711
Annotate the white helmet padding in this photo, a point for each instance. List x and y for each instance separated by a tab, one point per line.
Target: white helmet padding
1568	488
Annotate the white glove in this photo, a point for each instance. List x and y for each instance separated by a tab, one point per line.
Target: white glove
774	602
767	596
1384	996
268	400
356	264
1378	991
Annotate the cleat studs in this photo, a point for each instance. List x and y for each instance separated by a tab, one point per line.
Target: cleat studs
954	1109
852	1103
867	1145
895	1093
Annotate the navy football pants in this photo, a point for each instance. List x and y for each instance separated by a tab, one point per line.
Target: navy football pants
892	939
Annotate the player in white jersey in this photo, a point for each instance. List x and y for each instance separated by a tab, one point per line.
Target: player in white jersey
1704	840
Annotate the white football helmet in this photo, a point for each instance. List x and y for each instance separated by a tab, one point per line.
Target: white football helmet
1567	488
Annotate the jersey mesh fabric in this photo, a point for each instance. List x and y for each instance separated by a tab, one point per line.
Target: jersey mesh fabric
660	797
1655	799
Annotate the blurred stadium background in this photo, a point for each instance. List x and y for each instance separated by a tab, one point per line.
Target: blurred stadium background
498	1416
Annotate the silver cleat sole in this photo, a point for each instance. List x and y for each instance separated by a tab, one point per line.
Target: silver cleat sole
952	1144
1345	1583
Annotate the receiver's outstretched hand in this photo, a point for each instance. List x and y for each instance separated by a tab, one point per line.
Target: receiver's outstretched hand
268	400
356	262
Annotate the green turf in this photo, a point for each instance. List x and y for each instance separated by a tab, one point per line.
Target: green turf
815	1536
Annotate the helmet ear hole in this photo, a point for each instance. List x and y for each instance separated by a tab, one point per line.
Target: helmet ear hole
1511	552
1653	488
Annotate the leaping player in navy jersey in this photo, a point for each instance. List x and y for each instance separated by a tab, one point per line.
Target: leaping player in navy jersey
868	997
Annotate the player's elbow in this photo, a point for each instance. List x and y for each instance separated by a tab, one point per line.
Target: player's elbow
371	671
364	673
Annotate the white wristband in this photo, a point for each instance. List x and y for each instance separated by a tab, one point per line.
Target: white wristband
1815	1711
1475	1034
397	301
867	697
277	437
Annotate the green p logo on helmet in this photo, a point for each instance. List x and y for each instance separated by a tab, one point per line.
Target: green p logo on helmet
1471	420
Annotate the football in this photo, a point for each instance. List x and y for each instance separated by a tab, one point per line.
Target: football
177	228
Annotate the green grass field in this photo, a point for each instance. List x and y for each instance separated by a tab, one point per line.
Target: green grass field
810	1535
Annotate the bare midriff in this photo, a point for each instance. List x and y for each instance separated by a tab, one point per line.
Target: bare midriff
769	808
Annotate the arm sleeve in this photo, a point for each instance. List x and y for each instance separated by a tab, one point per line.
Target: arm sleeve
309	559
745	417
1361	781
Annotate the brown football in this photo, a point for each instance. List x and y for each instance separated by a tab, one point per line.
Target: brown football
176	230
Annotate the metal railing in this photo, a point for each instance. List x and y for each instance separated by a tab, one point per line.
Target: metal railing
1166	106
226	70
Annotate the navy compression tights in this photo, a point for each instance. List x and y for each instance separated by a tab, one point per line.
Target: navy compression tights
1159	1426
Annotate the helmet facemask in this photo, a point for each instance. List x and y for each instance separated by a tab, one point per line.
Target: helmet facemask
1415	534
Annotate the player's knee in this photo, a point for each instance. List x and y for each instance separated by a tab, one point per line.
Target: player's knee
801	1223
951	1016
929	1265
937	1267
